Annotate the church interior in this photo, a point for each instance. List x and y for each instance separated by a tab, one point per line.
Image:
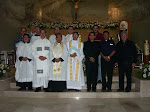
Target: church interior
109	15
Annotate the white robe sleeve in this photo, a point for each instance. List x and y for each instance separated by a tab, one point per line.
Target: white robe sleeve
31	41
80	56
64	39
65	52
51	53
34	48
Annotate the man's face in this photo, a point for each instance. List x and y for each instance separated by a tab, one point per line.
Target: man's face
92	36
33	29
43	33
58	38
75	36
106	36
23	31
95	29
37	30
70	30
57	30
124	37
26	39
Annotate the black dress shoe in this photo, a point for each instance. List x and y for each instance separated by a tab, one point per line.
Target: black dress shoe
88	90
103	90
127	90
93	90
120	90
21	89
38	89
99	81
77	90
46	90
109	90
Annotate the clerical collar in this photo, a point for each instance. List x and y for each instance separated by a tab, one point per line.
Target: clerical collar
58	43
106	40
37	35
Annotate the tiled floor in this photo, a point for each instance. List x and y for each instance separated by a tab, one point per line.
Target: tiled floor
73	105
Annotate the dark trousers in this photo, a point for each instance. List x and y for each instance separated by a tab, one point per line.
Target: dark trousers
57	86
125	68
92	74
24	84
106	68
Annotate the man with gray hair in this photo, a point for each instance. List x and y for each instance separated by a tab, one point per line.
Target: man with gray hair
126	57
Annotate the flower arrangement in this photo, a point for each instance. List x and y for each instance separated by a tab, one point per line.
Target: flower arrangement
144	73
76	25
37	23
3	69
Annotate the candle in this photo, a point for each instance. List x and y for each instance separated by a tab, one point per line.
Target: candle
146	47
146	52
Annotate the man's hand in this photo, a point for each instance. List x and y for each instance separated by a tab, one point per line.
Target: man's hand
42	58
57	60
73	55
25	59
133	65
116	64
92	59
106	58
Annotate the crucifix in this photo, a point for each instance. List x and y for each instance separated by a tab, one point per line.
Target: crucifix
76	2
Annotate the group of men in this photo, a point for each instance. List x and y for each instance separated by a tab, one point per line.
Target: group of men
56	64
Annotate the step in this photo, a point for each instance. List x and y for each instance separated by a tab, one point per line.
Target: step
71	94
115	85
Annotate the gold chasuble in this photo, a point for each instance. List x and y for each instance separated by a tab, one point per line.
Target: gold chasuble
77	64
57	65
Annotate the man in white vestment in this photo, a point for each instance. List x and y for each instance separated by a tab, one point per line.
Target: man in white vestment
52	38
37	35
58	75
33	31
24	64
69	36
41	51
75	74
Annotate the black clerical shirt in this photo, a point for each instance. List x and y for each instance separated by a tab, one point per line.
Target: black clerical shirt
91	49
126	52
107	47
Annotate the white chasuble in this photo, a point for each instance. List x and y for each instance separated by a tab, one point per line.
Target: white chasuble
59	51
41	47
75	74
24	69
69	37
34	38
52	39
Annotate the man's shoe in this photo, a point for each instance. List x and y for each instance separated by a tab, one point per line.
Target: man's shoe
127	90
99	81
77	90
21	89
38	89
94	90
120	90
88	90
103	90
109	90
46	90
